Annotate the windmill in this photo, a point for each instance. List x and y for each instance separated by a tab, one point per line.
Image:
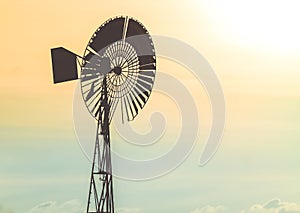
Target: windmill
117	73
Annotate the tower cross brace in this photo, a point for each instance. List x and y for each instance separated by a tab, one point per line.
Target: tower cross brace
102	201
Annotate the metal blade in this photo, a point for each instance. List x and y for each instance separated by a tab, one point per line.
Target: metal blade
140	95
110	32
136	97
146	87
143	90
147	67
146	59
128	102
92	92
148	73
134	104
88	77
148	80
134	28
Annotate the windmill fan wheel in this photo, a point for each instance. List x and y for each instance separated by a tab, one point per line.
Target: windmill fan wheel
122	54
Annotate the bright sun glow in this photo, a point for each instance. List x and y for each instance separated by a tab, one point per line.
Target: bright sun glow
274	24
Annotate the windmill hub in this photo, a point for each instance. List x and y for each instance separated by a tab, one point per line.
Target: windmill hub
117	70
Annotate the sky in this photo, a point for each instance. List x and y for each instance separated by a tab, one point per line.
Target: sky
252	46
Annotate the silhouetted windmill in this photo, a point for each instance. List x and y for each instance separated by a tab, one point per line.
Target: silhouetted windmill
118	68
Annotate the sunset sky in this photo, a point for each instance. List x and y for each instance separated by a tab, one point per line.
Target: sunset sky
254	49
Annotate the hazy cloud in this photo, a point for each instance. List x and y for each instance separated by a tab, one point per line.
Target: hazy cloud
72	206
274	206
210	209
76	206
